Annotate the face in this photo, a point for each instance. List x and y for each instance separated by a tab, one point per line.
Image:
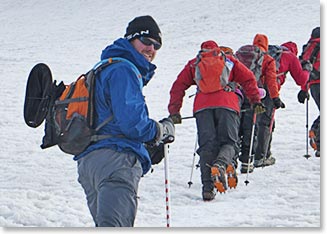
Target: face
147	47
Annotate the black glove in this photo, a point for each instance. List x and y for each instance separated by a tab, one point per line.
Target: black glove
259	107
302	95
165	131
156	152
278	103
306	65
177	118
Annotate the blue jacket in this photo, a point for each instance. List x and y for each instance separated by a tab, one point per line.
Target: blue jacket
119	93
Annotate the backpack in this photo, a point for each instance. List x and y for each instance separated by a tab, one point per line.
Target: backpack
276	51
69	109
252	57
212	70
311	53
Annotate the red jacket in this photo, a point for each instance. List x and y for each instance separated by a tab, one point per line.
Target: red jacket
268	76
290	63
221	98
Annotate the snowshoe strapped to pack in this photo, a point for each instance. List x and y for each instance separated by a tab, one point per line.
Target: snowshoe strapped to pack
39	89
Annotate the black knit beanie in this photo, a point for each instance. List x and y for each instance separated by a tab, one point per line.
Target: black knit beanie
143	26
315	32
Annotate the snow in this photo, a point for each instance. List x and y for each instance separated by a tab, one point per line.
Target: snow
39	188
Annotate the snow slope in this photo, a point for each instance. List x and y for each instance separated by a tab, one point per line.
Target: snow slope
39	188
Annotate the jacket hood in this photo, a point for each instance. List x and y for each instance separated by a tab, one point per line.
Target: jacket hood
291	46
124	49
209	45
261	41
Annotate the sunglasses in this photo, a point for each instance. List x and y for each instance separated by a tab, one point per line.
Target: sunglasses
147	41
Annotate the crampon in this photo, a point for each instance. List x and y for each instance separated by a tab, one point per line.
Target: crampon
219	178
312	137
231	176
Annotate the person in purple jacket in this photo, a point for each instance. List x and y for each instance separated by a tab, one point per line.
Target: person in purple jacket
110	169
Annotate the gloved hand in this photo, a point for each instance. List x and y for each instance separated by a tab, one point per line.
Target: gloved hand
306	65
259	107
177	118
278	103
302	95
156	152
165	131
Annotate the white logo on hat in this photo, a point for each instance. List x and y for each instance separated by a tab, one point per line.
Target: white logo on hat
137	34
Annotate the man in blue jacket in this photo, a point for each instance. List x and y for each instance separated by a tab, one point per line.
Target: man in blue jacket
110	169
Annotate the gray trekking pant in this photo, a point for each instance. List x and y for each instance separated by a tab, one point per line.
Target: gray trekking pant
245	132
217	136
264	133
110	181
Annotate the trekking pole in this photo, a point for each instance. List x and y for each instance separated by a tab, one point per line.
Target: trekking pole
242	110
188	117
307	155
272	121
167	187
193	163
245	110
251	146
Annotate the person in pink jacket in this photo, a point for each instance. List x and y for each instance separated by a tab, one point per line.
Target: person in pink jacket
289	62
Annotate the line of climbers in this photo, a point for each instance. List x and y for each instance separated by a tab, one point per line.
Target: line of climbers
233	123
